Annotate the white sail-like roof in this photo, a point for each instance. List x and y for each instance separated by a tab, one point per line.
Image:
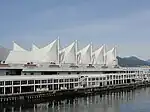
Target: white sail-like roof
34	47
85	55
16	47
98	56
48	53
18	55
111	58
68	54
51	53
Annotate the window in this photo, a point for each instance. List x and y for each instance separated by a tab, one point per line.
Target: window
16	82
93	83
55	80
110	82
44	81
119	77
8	83
71	80
107	82
108	77
76	84
76	79
37	81
114	77
30	81
93	79
61	80
23	82
66	80
104	78
50	81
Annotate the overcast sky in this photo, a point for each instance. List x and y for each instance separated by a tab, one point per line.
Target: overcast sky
125	23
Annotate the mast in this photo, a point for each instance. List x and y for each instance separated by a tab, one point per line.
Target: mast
115	51
76	50
104	54
91	53
115	54
58	45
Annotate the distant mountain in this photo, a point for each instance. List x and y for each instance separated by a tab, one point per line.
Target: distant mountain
132	62
3	53
148	60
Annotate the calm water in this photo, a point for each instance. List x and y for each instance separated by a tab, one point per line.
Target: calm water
127	101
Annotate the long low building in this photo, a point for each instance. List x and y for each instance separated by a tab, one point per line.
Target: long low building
55	71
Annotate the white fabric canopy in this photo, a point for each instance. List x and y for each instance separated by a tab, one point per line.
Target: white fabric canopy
111	58
34	47
68	54
16	47
48	53
18	55
98	56
85	56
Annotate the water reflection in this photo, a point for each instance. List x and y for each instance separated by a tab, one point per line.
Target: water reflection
112	102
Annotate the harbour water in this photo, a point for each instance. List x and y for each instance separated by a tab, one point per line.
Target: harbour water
122	101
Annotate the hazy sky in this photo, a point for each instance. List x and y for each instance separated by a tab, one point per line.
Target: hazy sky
125	23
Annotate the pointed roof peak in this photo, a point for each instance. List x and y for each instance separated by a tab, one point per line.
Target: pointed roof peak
34	47
16	47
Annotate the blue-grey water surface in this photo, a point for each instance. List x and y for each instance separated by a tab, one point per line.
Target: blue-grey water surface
127	101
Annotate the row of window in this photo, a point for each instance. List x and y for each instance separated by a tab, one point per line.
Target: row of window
97	78
47	73
63	80
120	76
104	72
37	81
111	76
54	80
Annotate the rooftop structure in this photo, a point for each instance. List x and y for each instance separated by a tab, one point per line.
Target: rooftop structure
52	53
